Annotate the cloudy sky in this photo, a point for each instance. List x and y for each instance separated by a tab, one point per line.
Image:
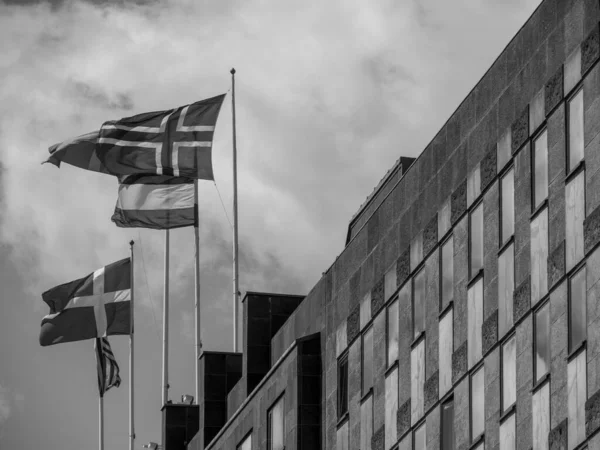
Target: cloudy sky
329	95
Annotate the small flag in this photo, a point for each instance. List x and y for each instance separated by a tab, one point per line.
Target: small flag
97	305
155	201
108	369
176	142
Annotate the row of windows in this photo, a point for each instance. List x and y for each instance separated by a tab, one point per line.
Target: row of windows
275	428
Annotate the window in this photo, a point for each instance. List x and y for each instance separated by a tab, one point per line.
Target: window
506	288
417	382
476	240
367	360
416	251
540	405
418	305
577	309
392	332
508	435
474	322
539	256
447	413
366	422
445	347
575	215
447	272
575	130
419	438
577	395
391	409
540	169
507	206
246	444
276	426
477	404
508	382
342	386
542	342
342	437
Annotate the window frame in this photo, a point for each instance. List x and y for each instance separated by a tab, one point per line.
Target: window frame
534	207
442	244
394	299
474	207
343	358
368	328
243	440
418	427
281	398
449	399
575	91
504	412
503	250
473	440
537	381
572	350
504	239
419	271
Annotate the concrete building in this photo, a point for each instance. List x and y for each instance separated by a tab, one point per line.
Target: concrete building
463	312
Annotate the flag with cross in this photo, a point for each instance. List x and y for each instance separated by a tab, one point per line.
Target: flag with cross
94	306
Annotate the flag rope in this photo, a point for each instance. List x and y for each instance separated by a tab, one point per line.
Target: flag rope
223	205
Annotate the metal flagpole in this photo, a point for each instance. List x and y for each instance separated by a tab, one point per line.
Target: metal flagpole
101	419
197	291
131	368
235	222
165	374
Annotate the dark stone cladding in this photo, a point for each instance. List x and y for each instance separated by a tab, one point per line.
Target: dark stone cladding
557	438
488	167
489	331
520	130
403	267
403	414
590	50
430	235
556	264
591	230
554	90
378	438
432	390
353	324
592	414
377	294
459	362
521	298
458	203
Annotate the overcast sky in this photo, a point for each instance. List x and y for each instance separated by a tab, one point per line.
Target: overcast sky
329	95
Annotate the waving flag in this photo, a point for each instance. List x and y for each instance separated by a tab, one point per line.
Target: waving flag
97	305
108	369
176	142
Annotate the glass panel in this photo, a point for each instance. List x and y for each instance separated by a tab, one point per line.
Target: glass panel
577	395
393	332
446	338
508	434
448	425
342	386
447	272
366	423
246	443
577	313
476	240
575	214
276	426
540	402
419	303
416	251
539	256
391	409
367	375
508	206
419	440
342	437
506	288
540	160
542	342
417	382
477	404
575	130
474	322
509	373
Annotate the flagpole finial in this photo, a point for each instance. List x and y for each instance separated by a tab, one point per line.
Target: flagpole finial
232	71
131	242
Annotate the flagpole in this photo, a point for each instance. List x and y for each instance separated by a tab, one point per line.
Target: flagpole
101	424
197	291
165	349
235	222
131	367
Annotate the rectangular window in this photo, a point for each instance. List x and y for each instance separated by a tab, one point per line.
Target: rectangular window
474	321
418	305
540	172
419	442
342	437
447	272
392	332
477	398
575	130
476	240
367	360
276	426
574	215
577	309
542	342
447	413
342	386
508	435
416	251
539	256
508	382
391	409
366	422
507	206
446	339
246	444
540	405
417	382
577	395
506	288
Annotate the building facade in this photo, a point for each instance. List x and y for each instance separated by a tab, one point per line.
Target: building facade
464	312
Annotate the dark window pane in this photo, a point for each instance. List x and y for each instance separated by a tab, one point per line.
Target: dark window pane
419	303
476	240
508	205
542	342
367	369
575	112
577	306
540	177
342	391
447	272
419	439
392	334
448	425
477	404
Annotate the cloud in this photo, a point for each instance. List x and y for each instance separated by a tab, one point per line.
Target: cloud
9	402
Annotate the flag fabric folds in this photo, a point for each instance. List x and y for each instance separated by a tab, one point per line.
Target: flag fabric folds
108	369
97	305
155	201
176	142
